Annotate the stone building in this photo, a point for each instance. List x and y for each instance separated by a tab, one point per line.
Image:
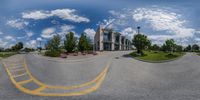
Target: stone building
107	40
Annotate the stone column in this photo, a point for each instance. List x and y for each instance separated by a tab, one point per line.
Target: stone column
100	39
124	43
120	42
112	41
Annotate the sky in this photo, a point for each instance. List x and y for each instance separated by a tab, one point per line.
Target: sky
31	21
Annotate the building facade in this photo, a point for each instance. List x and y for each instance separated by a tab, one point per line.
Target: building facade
108	40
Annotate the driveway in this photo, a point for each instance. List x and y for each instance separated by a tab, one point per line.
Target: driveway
126	79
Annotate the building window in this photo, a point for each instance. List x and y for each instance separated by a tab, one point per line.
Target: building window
106	37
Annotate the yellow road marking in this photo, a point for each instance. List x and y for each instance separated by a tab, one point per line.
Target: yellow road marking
15	76
98	81
16	70
24	82
65	87
16	67
39	89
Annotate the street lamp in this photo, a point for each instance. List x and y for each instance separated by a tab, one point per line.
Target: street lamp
138	28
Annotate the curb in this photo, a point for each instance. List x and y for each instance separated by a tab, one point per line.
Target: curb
162	61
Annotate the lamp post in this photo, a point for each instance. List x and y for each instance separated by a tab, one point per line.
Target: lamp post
138	28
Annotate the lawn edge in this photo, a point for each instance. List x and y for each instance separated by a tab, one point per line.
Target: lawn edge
161	61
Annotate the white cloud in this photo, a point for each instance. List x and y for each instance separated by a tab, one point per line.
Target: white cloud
48	33
10	38
128	33
163	20
64	29
29	34
90	33
17	23
3	43
21	37
65	14
161	23
31	44
36	15
39	39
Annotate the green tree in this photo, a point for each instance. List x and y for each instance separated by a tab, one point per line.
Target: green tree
70	42
17	46
155	47
170	45
188	48
163	48
1	49
84	43
195	47
141	42
54	43
179	48
53	47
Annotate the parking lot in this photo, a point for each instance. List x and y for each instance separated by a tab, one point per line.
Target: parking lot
112	76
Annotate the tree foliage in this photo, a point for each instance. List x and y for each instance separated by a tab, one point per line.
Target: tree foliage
70	42
195	47
179	48
155	47
84	43
53	47
17	46
54	43
141	42
170	45
188	48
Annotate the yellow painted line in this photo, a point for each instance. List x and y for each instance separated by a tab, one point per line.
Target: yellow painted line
24	82
16	70
39	89
98	83
65	87
16	67
15	76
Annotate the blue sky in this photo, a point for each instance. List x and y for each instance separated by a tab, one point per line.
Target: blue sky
31	21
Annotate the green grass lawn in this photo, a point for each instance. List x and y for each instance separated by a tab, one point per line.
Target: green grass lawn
6	54
157	55
198	54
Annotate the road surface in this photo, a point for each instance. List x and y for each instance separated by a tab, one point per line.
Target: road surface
126	79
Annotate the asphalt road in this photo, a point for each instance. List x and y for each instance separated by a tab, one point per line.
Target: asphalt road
127	79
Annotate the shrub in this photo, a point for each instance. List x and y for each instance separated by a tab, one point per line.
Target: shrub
52	53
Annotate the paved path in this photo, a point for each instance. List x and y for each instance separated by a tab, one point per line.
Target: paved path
127	79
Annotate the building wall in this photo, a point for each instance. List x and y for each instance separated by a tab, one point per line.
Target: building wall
124	44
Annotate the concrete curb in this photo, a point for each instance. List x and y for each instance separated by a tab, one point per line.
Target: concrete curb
67	60
162	61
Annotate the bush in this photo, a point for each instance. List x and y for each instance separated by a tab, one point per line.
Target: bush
52	53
